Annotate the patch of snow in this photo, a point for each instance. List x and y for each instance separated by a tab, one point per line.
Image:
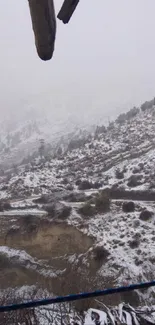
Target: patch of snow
24	212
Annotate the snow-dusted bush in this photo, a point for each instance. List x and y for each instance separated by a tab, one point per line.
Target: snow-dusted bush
87	210
119	174
76	197
85	185
128	206
100	253
134	243
58	210
102	202
65	212
145	215
50	208
4	205
134	180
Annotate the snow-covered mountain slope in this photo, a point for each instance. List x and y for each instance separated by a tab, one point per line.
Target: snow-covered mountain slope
20	134
121	155
94	178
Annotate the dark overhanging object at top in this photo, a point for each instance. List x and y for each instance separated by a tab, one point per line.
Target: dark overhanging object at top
44	23
44	27
67	10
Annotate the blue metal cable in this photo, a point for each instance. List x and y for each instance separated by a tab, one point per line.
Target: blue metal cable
74	297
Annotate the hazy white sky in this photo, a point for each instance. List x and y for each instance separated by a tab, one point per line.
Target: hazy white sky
104	58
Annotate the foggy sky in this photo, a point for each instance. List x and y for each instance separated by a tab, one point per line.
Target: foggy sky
104	58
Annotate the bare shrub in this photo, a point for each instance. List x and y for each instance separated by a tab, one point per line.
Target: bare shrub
24	316
63	313
72	313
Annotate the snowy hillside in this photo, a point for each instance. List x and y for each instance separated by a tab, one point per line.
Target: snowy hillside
121	156
89	212
20	134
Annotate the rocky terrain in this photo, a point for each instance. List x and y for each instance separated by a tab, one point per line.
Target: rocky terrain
86	212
